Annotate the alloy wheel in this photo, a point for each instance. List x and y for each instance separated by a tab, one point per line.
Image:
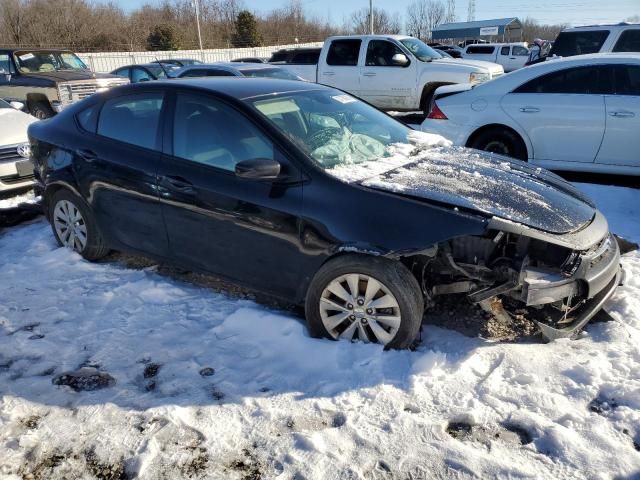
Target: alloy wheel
357	306
70	225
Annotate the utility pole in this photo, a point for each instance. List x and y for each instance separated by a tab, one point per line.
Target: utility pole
471	12
196	4
371	17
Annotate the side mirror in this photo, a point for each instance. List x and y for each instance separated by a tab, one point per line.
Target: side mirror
258	169
399	59
144	79
17	105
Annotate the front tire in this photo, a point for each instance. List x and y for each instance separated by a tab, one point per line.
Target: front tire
74	227
365	298
502	142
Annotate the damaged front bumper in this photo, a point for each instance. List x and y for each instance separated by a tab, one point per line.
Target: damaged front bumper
563	302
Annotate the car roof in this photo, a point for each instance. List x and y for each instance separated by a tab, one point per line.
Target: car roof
498	44
236	87
618	26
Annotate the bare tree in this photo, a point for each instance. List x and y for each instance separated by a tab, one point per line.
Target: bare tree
451	11
423	16
383	22
531	30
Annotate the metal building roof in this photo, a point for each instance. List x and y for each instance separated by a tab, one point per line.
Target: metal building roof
479	28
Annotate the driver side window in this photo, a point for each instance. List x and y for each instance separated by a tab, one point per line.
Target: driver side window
210	132
6	66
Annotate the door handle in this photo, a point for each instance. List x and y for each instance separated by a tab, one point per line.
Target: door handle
622	114
178	184
369	74
86	154
529	110
328	74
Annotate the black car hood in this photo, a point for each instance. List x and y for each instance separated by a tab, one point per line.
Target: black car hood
68	75
490	184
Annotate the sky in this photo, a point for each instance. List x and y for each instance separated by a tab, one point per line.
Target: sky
574	12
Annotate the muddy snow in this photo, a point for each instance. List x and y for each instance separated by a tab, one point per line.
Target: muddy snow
114	371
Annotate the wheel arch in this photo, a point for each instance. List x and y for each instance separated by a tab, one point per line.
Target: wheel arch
501	126
33	98
427	93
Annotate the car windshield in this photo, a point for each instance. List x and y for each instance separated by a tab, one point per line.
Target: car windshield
344	136
158	71
420	50
280	73
4	104
48	61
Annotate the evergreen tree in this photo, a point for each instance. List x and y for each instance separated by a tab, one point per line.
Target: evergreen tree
246	31
163	37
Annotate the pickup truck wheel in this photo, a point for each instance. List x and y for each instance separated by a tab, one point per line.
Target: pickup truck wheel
365	298
41	110
501	141
74	227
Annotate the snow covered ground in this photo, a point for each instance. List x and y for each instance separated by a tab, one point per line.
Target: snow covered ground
200	384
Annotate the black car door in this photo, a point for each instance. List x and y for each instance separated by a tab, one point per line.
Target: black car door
245	230
116	169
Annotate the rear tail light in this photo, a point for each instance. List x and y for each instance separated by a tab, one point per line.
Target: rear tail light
436	114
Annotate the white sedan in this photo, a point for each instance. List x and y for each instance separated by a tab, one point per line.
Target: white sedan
16	169
579	113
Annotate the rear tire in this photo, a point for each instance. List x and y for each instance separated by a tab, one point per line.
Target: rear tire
41	110
387	307
74	226
501	141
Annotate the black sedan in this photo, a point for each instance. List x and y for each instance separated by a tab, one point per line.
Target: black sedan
306	193
230	69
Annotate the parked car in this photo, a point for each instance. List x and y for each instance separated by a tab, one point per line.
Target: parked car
390	217
145	72
453	52
16	169
620	38
251	60
579	113
235	70
510	55
392	72
180	62
46	81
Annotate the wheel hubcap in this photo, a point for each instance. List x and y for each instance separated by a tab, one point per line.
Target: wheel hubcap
70	226
357	306
497	146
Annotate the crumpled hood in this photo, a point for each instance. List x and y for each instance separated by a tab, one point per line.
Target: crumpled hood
69	76
13	126
490	184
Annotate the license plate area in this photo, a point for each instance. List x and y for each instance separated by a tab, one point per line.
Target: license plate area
24	168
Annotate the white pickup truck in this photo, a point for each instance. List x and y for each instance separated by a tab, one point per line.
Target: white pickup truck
392	72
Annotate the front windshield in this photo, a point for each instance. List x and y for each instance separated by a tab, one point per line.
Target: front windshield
45	61
279	73
420	50
159	72
344	136
4	104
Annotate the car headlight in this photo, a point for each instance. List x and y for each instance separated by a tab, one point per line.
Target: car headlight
477	77
64	93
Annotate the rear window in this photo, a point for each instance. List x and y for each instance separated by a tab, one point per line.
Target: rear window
569	44
278	57
629	41
480	49
306	57
344	52
628	80
132	119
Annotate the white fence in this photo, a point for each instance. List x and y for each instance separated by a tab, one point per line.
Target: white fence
109	61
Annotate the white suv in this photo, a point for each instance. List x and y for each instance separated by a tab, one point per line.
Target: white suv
623	37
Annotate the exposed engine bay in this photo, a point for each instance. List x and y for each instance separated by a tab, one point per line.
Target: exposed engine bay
510	274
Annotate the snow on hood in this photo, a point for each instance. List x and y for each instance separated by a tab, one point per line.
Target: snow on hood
430	168
489	184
